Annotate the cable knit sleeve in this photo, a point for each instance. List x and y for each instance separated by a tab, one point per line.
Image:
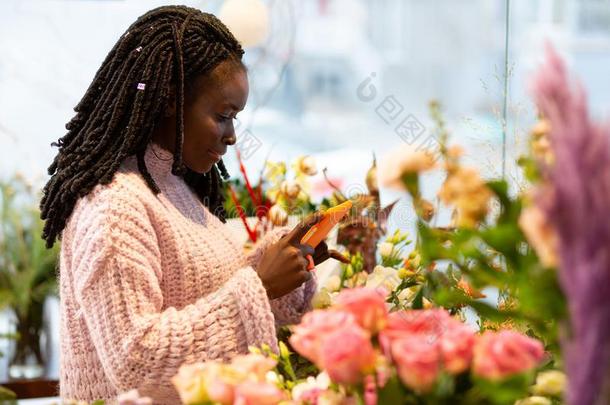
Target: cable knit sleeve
116	273
290	308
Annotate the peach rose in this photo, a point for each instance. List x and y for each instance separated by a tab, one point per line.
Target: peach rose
258	393
347	354
200	382
253	364
401	161
315	325
367	305
418	362
500	354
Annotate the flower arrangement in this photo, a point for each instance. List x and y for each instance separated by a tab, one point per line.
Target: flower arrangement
383	357
485	245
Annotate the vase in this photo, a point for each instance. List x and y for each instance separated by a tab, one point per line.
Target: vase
28	359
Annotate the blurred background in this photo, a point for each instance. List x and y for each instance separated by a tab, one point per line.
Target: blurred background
340	80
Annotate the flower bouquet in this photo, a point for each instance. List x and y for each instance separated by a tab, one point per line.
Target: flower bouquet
367	355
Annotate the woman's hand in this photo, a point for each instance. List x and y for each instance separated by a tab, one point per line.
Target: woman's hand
283	266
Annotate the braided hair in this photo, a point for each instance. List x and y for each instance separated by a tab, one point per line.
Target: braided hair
170	45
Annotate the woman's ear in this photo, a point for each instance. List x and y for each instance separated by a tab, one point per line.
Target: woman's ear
170	111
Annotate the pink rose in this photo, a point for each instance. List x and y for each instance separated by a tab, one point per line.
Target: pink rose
456	345
370	391
418	361
258	393
501	354
315	325
347	354
367	305
430	323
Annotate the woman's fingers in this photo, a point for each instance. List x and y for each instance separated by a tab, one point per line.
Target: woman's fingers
306	249
304	276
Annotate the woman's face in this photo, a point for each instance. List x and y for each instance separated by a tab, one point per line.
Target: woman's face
209	112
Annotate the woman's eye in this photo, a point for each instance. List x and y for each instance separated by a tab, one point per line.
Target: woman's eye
223	118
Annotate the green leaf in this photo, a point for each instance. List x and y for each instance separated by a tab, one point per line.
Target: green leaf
505	391
418	301
391	393
411	182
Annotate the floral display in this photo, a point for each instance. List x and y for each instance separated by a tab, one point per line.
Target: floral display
365	353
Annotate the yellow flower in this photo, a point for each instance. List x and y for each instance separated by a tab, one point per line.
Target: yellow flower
404	273
427	303
275	171
467	191
540	234
469	290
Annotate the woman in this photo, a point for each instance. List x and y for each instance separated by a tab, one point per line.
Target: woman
150	278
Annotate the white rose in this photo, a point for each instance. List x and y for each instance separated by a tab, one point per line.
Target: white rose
552	382
534	401
333	283
321	299
383	277
385	249
321	382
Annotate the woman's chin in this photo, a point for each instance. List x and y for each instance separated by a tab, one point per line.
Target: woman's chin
202	168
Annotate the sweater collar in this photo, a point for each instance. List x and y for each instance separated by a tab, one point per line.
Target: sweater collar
158	160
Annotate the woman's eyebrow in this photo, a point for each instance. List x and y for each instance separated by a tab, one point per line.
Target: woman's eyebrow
233	106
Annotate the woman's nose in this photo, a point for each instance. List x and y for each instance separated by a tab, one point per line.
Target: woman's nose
230	138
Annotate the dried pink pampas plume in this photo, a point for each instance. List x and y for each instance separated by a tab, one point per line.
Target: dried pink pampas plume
577	204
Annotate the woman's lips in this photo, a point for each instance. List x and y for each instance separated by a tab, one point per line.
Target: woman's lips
215	155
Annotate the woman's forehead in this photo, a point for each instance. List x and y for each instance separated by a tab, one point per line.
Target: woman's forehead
227	89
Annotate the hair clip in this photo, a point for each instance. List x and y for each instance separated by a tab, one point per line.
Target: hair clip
141	86
139	49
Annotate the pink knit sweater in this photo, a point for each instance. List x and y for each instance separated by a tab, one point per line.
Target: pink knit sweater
149	283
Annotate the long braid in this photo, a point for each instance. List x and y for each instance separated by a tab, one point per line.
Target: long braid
167	46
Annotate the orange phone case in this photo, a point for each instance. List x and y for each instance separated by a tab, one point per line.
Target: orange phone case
320	231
